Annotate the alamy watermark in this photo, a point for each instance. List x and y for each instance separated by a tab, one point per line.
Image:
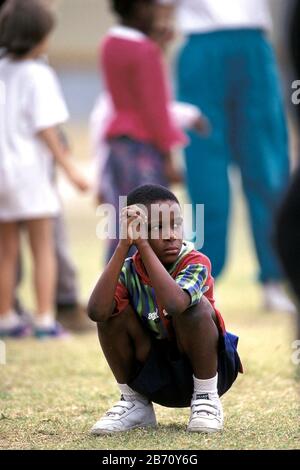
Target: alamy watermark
164	221
296	93
2	353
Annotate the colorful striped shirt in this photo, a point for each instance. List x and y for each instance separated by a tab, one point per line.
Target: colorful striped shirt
192	272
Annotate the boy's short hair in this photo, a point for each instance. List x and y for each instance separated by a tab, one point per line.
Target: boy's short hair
23	25
149	194
126	8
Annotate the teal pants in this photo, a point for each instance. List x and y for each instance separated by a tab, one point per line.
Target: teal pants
232	76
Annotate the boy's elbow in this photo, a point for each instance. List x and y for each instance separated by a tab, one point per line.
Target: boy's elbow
92	312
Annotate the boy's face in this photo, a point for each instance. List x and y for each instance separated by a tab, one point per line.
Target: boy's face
165	230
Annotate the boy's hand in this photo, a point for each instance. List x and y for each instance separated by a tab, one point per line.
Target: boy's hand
133	225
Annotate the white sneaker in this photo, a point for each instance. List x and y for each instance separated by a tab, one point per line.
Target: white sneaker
126	415
276	300
206	414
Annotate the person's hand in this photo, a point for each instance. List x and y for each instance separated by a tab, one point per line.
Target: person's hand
77	179
202	126
134	223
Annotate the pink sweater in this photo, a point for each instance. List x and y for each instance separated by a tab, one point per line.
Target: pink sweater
135	78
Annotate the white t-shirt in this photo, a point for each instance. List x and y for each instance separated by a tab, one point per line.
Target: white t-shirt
199	16
31	101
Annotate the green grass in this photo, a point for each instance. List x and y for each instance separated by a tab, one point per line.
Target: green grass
52	392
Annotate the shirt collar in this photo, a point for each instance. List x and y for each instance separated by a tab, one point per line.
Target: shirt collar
186	248
125	32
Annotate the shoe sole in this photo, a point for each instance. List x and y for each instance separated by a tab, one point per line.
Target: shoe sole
101	432
205	430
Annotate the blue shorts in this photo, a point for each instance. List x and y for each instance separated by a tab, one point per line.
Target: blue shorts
166	377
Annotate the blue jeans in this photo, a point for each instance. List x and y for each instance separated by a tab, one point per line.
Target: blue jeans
232	76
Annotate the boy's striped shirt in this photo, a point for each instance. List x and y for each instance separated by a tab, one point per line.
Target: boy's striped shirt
192	271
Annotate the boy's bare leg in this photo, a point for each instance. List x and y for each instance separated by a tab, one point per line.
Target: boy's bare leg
124	341
197	337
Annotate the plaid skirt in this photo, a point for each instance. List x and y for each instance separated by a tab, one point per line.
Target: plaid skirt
130	164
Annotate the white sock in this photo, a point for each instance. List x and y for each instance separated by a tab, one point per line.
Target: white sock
9	320
45	321
130	394
207	388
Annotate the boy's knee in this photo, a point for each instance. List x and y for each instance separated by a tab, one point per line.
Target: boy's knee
117	322
200	312
205	309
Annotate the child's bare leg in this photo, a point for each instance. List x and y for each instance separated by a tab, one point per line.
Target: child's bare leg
9	249
124	341
40	232
197	337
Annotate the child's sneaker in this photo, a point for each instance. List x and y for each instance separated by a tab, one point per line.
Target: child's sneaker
20	331
276	300
54	332
206	414
13	325
126	415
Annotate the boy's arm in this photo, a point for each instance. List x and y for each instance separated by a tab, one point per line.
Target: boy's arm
102	304
168	292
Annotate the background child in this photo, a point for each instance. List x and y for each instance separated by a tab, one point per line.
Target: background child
160	332
29	115
141	133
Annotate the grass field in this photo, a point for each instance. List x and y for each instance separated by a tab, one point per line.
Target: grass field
52	392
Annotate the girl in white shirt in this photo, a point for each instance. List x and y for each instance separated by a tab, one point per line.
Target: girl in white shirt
31	109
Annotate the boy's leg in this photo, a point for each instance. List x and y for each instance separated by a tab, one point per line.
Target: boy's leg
197	337
125	344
